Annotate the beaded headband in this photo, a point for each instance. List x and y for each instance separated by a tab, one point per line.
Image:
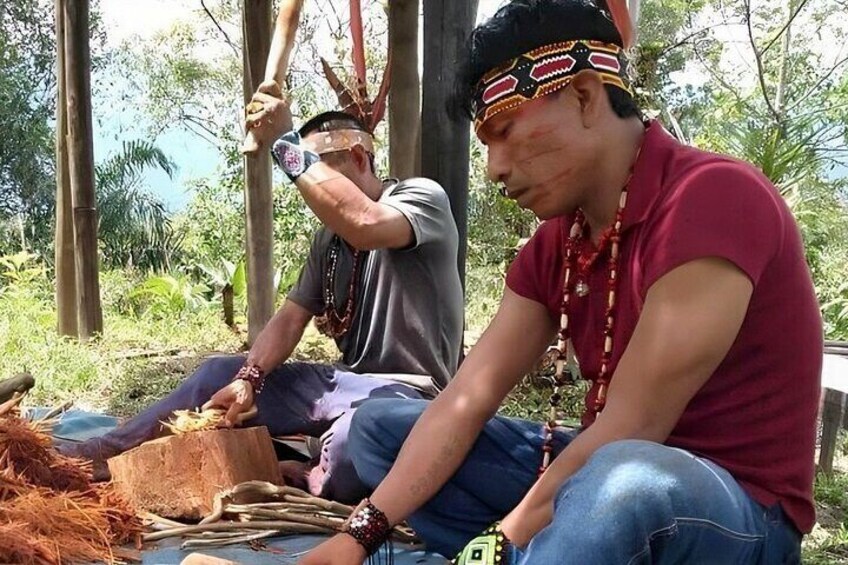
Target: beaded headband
545	70
338	140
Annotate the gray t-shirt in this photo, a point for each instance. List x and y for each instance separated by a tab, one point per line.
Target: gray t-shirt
408	318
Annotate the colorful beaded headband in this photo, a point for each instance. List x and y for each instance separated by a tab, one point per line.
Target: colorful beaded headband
545	70
338	140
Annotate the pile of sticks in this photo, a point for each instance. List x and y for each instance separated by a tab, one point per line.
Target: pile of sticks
256	510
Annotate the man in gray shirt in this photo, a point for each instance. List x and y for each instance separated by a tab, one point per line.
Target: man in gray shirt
381	279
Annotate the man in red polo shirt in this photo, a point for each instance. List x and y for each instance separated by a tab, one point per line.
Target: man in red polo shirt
677	280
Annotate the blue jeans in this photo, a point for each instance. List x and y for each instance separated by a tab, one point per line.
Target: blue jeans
298	398
633	502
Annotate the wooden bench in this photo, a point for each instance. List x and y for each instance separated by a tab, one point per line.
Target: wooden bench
835	398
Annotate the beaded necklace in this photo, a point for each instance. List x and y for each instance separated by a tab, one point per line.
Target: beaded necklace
331	323
576	261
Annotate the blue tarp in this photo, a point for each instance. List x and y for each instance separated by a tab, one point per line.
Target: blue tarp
78	425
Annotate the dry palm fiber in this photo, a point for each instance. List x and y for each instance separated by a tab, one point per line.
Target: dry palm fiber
187	421
28	454
19	545
70	526
50	512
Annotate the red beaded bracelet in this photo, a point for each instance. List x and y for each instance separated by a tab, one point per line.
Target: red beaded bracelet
368	526
252	374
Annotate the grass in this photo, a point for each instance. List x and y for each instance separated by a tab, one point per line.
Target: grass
118	374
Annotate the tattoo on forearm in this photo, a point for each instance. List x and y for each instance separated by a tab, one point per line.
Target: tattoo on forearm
426	484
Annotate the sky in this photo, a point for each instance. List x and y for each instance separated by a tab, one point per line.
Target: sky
133	20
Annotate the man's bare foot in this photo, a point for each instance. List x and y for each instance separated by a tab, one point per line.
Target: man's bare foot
296	473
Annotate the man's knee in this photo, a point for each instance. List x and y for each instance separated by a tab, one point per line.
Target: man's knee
377	432
630	475
214	373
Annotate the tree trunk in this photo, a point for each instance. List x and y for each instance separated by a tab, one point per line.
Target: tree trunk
66	283
81	158
256	42
404	96
229	309
446	143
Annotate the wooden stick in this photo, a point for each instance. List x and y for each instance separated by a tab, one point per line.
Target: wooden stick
277	526
282	43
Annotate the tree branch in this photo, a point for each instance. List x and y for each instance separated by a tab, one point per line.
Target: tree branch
759	59
818	84
689	37
785	27
221	29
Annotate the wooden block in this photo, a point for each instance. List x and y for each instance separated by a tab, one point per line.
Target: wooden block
179	476
202	559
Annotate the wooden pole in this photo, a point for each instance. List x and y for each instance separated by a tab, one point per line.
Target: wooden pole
446	143
831	417
256	43
66	283
81	165
405	93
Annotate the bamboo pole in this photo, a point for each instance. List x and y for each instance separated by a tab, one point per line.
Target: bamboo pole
81	159
256	43
66	283
405	92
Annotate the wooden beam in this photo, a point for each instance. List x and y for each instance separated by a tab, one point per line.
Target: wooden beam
259	202
831	417
66	283
81	159
405	93
445	143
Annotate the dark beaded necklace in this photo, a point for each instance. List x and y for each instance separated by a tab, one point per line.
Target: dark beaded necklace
333	323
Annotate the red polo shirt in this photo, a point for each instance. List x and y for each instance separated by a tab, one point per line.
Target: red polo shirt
756	415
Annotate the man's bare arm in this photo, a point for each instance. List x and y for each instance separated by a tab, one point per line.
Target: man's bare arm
444	435
347	211
277	340
690	319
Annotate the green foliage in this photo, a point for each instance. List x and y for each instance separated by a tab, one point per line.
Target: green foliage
228	275
88	373
26	108
168	295
828	543
134	227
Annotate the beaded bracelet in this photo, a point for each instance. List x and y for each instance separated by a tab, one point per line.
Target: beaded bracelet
489	548
252	374
368	526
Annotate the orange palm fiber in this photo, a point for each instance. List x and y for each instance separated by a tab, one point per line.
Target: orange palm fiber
28	454
80	525
18	544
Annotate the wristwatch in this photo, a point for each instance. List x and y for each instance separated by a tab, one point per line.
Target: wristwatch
291	157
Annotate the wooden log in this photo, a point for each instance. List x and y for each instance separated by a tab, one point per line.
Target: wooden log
405	92
258	196
64	256
19	383
445	143
834	404
179	476
81	159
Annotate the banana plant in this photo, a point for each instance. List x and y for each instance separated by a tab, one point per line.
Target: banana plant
231	281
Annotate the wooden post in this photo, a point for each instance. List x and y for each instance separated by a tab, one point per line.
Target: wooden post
445	143
405	93
66	283
256	43
81	153
831	416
